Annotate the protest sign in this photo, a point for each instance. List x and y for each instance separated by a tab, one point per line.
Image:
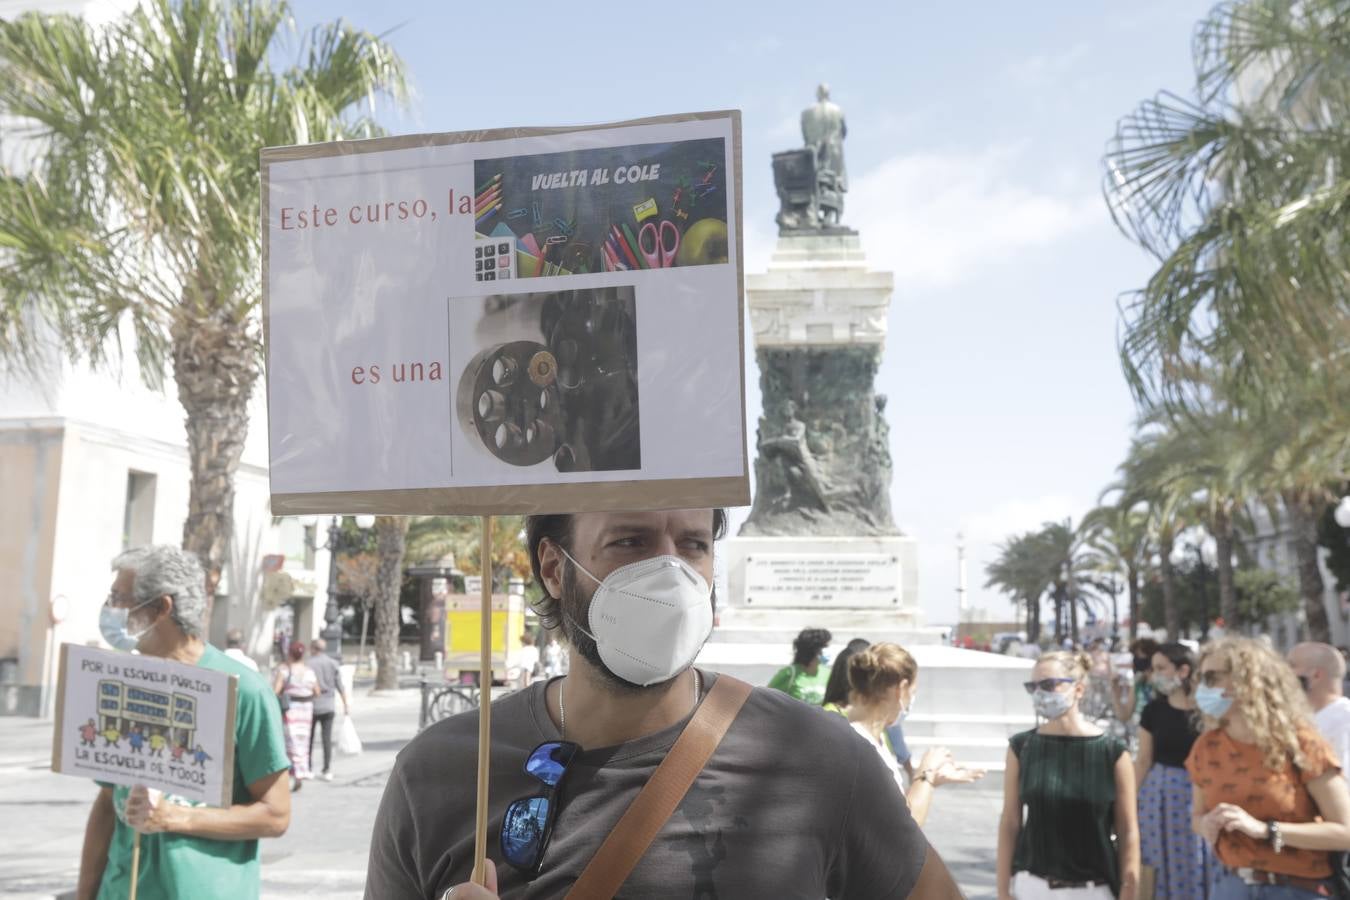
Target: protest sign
512	321
129	720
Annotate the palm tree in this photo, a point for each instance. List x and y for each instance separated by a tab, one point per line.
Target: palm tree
1019	571
1303	462
1242	192
1150	477
1119	535
141	206
434	537
1072	565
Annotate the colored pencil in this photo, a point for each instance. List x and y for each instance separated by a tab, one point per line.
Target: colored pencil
491	208
487	196
623	245
487	184
637	251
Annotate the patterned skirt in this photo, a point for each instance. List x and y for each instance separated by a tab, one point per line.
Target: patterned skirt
299	719
1183	865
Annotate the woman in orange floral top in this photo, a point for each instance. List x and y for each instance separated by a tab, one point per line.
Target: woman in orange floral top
1268	791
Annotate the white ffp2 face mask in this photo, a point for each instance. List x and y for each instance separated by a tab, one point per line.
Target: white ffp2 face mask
649	619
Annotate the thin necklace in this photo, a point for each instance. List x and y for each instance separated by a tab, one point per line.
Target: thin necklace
562	709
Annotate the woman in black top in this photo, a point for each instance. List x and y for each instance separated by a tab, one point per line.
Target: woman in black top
1168	727
1068	826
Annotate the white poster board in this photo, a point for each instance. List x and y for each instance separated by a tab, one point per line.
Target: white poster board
514	321
128	719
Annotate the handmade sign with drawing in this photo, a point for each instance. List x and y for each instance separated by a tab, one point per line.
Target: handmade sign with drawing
126	719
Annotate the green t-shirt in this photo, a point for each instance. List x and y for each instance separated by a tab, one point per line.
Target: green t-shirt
175	865
793	681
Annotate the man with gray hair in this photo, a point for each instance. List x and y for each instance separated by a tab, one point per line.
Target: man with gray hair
157	607
1321	670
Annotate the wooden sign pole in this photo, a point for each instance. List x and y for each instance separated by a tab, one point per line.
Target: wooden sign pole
479	876
135	863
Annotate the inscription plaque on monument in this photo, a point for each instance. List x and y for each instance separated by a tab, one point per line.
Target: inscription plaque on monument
822	579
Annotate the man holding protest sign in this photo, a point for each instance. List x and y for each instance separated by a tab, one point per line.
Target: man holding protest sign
157	607
789	804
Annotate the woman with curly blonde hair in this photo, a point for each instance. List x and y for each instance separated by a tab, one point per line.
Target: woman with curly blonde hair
1268	791
1069	829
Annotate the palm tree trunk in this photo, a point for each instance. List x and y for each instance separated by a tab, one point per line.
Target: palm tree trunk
1303	522
1133	574
1171	615
390	532
1223	551
215	364
1072	602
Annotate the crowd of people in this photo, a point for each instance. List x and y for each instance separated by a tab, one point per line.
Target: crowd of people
1188	773
1192	772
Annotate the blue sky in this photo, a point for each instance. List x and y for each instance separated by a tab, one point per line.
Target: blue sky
975	137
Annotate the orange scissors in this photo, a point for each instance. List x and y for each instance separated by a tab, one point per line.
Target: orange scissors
664	238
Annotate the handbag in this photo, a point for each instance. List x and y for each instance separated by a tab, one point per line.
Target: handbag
283	698
349	742
654	804
1340	869
1340	873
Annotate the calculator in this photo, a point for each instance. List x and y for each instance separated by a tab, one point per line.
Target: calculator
494	258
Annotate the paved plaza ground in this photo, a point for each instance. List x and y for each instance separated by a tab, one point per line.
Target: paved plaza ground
324	852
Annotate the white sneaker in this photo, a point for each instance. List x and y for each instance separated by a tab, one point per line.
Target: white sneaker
326	776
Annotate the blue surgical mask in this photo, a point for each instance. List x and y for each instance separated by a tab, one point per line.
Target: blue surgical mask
112	623
904	710
1212	702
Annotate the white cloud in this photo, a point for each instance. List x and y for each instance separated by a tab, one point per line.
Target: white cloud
937	218
1046	67
1011	517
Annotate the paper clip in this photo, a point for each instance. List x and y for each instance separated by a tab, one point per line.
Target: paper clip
563	225
556	239
517	213
536	218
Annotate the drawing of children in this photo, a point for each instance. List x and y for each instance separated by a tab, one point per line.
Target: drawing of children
88	733
178	750
111	736
200	756
157	744
137	739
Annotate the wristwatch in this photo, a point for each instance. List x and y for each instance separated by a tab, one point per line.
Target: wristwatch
929	775
1274	836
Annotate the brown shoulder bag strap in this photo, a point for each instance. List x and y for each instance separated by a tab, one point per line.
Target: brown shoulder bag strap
654	804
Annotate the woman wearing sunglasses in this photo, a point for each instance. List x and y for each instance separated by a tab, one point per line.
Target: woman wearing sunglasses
1168	727
883	681
1068	830
1268	793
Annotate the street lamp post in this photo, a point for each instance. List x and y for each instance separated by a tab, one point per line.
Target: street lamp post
332	615
332	631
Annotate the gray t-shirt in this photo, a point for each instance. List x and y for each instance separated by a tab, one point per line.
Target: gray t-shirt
326	670
793	804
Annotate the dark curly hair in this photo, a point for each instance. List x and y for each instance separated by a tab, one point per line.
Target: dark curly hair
807	645
557	528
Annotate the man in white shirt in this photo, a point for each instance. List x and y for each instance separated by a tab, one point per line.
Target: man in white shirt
1321	669
234	641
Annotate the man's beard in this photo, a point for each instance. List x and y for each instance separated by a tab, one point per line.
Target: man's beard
576	608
